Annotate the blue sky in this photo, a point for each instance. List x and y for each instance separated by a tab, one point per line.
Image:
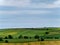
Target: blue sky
29	13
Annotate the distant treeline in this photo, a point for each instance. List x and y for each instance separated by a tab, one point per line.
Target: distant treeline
44	28
41	28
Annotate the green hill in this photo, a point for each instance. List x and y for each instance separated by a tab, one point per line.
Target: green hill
30	32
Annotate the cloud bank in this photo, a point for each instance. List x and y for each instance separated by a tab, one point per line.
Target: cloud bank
30	4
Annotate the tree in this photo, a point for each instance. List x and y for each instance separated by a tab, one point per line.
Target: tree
1	39
6	38
56	37
42	39
30	37
20	37
6	41
47	29
10	37
25	37
46	32
36	37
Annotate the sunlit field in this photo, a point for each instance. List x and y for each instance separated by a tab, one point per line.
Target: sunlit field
30	36
34	43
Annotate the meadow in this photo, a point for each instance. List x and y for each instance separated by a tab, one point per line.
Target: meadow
30	36
34	43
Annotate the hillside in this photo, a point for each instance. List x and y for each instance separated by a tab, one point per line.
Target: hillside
53	33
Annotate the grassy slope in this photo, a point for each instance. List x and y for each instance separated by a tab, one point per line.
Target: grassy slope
21	32
28	32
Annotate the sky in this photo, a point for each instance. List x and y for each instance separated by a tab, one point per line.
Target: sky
29	13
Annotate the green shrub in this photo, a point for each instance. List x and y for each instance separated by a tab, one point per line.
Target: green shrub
36	37
1	39
6	41
10	37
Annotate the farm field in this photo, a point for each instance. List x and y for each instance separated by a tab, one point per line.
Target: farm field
29	32
34	43
25	35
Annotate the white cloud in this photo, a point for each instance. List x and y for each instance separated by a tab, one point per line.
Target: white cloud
25	12
8	12
54	4
37	12
57	2
28	4
14	2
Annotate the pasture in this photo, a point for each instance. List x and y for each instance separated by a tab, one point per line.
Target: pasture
50	36
34	43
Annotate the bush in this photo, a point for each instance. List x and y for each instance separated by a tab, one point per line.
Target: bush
6	38
46	32
30	37
20	37
56	37
10	37
1	39
47	29
36	37
25	37
6	41
42	39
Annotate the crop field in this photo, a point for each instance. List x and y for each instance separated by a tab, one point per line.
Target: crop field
34	43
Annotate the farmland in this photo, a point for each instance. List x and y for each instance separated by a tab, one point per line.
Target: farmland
50	35
34	43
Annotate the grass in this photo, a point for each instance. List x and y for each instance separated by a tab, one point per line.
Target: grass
21	32
34	43
15	32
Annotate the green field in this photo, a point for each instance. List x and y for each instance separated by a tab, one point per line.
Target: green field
30	32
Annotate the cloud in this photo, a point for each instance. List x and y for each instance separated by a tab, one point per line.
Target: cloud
57	2
28	4
54	4
14	2
8	12
26	12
